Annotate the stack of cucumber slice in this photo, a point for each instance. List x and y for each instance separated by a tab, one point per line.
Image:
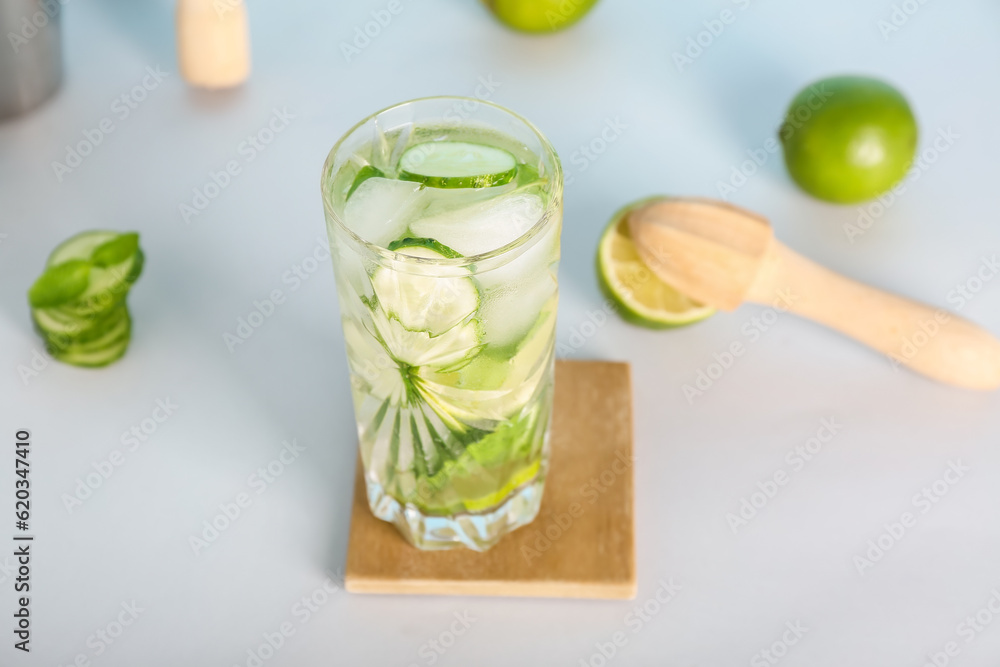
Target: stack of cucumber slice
78	303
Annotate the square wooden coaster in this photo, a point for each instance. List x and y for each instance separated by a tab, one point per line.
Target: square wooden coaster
581	545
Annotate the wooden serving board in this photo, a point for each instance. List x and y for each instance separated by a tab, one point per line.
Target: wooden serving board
581	545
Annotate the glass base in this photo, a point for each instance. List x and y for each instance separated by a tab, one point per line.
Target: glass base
477	531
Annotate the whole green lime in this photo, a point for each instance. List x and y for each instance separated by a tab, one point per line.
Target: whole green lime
848	139
540	15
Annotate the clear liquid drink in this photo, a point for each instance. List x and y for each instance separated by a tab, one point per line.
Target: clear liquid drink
444	217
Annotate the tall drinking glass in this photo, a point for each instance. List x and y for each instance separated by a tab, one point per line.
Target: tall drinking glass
444	217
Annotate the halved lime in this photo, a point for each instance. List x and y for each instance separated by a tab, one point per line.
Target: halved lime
641	298
457	164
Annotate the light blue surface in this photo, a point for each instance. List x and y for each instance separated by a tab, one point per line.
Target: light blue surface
683	132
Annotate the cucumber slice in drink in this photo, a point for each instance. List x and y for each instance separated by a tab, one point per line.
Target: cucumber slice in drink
449	349
498	383
426	323
433	304
401	245
457	164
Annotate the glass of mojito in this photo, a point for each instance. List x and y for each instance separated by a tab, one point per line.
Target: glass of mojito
444	217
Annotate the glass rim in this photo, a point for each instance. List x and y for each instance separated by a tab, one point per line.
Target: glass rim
503	251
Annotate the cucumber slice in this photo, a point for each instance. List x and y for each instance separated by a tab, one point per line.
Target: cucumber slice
81	246
431	304
497	384
451	349
100	351
53	320
56	326
95	358
438	247
60	284
114	330
457	164
638	295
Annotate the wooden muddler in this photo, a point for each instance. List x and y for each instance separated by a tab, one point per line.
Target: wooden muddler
722	255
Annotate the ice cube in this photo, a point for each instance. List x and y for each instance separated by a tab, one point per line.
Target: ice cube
483	227
380	210
449	200
510	311
526	263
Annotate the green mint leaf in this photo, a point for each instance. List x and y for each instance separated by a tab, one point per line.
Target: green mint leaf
60	284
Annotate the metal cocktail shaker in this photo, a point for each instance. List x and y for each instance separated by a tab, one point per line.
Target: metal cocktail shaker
30	53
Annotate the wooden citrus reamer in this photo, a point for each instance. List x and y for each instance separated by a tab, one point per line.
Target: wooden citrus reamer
722	255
